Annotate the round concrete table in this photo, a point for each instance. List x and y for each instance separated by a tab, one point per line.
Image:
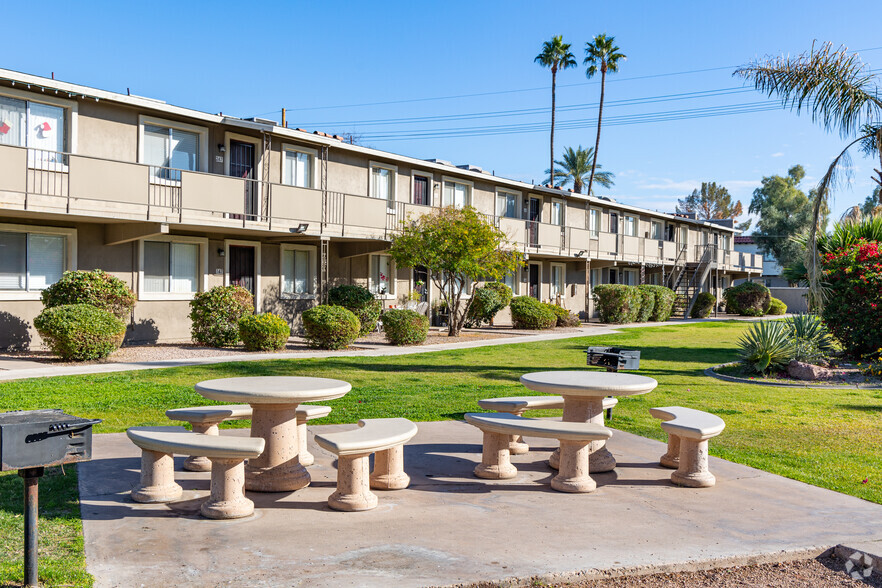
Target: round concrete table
274	401
583	393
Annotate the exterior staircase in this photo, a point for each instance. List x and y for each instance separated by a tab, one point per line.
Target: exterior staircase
687	278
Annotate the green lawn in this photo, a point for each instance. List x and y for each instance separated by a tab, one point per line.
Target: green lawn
824	437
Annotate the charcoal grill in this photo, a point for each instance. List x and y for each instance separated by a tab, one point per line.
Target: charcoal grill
31	440
613	359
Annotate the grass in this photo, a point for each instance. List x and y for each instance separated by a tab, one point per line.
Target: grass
822	437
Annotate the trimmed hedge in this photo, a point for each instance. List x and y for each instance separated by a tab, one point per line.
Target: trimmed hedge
647	303
564	317
96	288
405	327
617	303
776	306
664	302
529	313
704	304
330	327
747	299
79	332
263	332
216	313
360	301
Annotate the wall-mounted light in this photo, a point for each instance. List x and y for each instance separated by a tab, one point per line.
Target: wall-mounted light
221	252
301	228
221	148
581	253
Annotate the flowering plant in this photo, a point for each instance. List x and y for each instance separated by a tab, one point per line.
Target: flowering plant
853	311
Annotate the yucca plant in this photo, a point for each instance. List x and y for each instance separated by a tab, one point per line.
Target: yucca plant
766	345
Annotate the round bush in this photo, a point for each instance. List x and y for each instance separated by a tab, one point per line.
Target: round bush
263	332
747	299
617	303
564	317
79	332
405	327
487	300
647	303
704	304
216	313
96	288
776	306
360	302
663	302
330	327
529	313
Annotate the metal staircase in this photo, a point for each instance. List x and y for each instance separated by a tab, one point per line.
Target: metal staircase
688	278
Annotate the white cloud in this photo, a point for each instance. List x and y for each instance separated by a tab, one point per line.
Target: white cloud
669	184
736	184
778	154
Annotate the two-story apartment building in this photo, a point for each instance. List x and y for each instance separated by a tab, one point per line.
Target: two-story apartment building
175	201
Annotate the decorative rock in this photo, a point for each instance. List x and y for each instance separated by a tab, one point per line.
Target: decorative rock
807	372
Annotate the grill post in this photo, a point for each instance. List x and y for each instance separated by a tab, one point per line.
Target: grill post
31	477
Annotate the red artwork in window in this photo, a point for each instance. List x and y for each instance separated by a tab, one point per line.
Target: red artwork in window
4	127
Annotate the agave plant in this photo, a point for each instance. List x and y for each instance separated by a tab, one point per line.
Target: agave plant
810	337
766	345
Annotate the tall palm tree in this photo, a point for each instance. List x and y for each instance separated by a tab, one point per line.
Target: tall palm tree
555	55
841	94
575	165
601	55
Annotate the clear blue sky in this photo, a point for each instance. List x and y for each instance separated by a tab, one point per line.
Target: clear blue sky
254	58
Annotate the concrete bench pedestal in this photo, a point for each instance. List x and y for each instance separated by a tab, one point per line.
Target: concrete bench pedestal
688	433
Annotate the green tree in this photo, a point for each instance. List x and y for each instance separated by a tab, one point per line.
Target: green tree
785	212
575	165
840	92
873	203
456	246
555	55
711	202
601	55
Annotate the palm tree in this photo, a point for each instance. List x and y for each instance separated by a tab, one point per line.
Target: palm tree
575	165
555	55
600	55
840	93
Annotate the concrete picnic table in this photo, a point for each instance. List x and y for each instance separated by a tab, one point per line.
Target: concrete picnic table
583	392
274	401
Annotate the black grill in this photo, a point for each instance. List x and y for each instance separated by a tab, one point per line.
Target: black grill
613	358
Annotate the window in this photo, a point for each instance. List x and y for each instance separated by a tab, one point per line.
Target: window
655	230
557	212
558	280
684	235
594	222
655	279
170	267
629	277
630	226
167	147
30	262
383	183
30	124
382	279
297	167
727	242
508	204
511	281
456	194
298	271
595	278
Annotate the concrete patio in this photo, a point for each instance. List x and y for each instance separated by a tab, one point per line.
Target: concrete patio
450	527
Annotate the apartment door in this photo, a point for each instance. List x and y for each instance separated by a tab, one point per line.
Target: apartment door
242	166
242	266
421	282
534	216
533	280
421	191
614	229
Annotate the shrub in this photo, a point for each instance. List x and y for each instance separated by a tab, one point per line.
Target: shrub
487	300
747	299
263	332
776	306
664	302
617	303
564	317
853	309
96	288
330	327
360	301
766	345
216	313
405	327
529	313
647	303
79	332
704	304
810	337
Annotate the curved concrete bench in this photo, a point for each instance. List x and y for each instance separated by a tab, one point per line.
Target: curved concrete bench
227	455
517	405
688	433
386	438
574	439
205	419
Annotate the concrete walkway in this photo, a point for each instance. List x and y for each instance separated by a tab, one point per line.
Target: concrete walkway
11	369
450	527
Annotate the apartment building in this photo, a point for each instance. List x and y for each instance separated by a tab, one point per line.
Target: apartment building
175	201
